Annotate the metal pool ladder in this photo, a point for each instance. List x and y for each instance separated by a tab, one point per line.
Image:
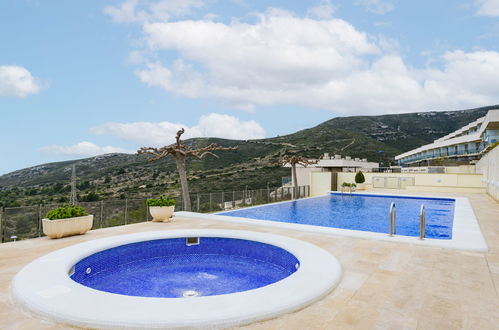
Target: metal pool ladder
393	219
422	222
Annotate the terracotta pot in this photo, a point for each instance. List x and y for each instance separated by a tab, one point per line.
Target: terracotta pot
161	213
67	227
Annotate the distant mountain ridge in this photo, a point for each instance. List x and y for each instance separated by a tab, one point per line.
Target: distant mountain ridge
254	165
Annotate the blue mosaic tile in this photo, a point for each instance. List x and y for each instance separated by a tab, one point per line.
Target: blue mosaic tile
169	267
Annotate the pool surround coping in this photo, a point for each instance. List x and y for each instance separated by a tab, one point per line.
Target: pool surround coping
466	233
44	288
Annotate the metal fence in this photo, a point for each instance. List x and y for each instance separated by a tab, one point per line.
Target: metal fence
17	223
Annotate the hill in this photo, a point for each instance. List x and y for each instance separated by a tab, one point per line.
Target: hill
254	165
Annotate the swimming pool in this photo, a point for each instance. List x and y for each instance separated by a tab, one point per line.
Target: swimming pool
185	267
99	283
360	212
458	228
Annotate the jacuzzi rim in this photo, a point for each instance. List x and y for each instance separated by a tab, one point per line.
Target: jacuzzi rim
45	288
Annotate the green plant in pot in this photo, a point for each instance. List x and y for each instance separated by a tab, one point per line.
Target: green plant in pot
359	180
350	186
161	208
67	220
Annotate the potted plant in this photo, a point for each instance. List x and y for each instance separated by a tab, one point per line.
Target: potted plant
161	209
66	221
359	180
350	186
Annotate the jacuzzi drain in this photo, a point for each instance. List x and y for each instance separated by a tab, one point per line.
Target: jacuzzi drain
190	293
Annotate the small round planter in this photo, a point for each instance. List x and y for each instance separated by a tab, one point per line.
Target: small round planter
161	213
67	227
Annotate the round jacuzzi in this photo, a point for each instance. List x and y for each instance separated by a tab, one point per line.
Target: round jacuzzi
174	279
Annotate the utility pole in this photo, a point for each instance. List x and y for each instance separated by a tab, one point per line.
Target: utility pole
72	198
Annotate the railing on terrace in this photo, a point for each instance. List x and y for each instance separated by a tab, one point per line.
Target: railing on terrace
17	223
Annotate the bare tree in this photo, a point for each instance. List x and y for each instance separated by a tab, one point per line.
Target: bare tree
180	152
293	160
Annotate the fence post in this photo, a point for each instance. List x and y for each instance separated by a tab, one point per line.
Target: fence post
210	203
39	220
101	213
233	199
2	210
198	200
223	201
147	213
126	211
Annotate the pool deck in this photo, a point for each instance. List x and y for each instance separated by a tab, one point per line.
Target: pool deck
385	285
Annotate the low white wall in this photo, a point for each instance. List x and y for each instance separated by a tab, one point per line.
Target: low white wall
488	165
303	174
320	183
438	182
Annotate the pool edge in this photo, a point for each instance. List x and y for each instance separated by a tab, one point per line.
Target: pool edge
466	232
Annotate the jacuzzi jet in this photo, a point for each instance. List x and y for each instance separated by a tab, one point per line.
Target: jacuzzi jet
190	293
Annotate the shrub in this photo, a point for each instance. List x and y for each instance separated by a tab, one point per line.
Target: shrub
359	177
161	201
91	197
66	211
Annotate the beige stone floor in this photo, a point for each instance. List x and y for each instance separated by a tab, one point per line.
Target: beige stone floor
384	286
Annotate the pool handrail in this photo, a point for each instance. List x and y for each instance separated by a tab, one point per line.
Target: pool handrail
393	219
422	222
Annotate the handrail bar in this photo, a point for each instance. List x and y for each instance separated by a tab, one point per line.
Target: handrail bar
393	219
422	222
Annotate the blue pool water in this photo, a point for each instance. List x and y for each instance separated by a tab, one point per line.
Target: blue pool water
360	212
170	268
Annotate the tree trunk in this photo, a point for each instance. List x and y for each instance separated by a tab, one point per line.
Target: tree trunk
183	182
295	180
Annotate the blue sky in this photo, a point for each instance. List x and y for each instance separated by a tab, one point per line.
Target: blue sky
81	78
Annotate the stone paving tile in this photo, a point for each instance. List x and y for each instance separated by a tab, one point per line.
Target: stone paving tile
385	285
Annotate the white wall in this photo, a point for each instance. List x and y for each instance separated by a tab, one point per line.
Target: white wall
488	165
320	183
438	182
303	174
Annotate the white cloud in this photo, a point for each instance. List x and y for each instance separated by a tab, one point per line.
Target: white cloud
379	7
468	79
81	149
324	10
16	81
487	7
163	133
282	59
254	64
146	10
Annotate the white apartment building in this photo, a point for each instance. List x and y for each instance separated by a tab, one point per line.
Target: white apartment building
466	144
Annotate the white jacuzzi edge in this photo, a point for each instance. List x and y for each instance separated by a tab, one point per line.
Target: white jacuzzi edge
466	233
44	288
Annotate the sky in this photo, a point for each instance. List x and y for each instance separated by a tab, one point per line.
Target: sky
83	78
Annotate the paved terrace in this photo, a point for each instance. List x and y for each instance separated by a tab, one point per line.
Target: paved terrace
385	285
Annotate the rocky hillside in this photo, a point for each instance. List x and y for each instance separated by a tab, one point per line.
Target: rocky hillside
254	165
